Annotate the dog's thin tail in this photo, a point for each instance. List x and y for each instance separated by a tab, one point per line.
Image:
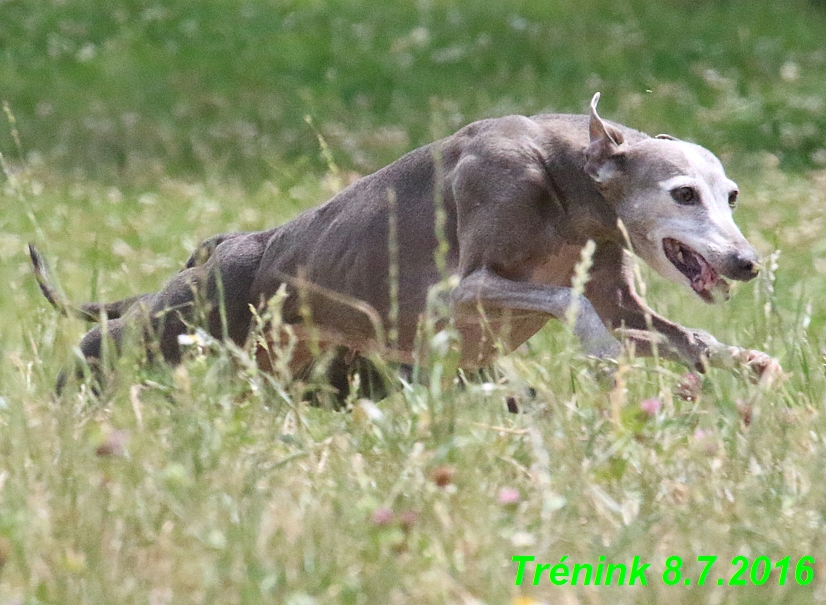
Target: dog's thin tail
92	312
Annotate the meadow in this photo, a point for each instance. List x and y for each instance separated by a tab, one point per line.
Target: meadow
132	130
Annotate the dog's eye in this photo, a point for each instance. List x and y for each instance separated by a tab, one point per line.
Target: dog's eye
687	196
732	200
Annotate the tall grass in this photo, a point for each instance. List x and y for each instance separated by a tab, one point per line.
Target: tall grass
145	128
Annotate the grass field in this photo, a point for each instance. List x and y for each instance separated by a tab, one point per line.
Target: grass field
134	130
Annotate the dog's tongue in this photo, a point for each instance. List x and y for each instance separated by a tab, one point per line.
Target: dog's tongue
708	283
706	278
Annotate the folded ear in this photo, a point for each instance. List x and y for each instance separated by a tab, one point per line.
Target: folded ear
605	147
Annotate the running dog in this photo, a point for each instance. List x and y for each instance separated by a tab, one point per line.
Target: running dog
507	204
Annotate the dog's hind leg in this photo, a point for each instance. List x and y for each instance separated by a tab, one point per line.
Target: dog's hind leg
93	347
215	295
206	248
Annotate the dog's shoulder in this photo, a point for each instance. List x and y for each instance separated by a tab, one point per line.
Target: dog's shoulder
516	134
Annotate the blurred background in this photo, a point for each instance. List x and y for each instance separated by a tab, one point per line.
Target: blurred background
110	89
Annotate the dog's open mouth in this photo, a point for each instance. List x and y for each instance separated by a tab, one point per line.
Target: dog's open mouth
703	278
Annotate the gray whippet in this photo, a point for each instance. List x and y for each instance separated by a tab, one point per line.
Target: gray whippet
519	198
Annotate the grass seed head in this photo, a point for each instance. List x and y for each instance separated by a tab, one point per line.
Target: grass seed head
444	475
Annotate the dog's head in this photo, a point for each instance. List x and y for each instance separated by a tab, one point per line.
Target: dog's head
676	203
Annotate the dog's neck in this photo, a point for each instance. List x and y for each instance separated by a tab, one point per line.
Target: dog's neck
587	211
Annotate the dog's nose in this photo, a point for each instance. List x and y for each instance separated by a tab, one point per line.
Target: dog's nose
743	266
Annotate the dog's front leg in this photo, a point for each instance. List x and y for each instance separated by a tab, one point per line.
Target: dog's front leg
486	288
612	292
696	348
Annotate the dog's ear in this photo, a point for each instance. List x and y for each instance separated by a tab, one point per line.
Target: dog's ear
604	149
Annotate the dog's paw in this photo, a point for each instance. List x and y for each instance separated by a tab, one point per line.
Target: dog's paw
763	367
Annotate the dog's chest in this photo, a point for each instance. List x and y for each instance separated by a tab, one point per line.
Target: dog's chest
557	268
